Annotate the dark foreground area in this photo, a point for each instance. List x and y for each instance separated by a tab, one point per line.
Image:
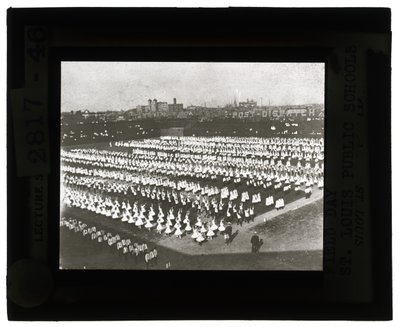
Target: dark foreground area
82	253
292	241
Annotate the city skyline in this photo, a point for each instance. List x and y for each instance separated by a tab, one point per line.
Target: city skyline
103	86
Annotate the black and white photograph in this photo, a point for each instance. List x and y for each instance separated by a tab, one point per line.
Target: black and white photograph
192	165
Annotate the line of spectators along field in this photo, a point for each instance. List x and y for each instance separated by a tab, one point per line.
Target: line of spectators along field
125	247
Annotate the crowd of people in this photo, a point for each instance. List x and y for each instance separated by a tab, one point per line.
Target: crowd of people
142	216
302	150
124	246
181	186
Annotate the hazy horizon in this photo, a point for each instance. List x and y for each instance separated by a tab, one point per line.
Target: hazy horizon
115	86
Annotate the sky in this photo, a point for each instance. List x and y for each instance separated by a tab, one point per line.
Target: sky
100	86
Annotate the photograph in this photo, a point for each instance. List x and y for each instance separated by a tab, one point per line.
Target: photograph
192	165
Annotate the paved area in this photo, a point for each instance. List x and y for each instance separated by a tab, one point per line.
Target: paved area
241	242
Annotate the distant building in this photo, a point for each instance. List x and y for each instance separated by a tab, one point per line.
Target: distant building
175	106
162	106
131	114
142	109
88	115
153	105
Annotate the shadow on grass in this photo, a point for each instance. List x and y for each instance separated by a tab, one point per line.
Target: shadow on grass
232	236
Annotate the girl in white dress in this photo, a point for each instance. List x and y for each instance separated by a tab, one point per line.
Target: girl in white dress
179	215
216	208
91	205
178	231
116	207
129	216
168	229
186	220
139	221
171	216
200	238
103	210
115	212
195	234
151	213
199	222
160	227
67	200
214	225
82	205
124	215
135	211
210	233
128	206
99	208
160	212
160	217
132	215
148	225
221	227
188	228
241	207
177	224
142	211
